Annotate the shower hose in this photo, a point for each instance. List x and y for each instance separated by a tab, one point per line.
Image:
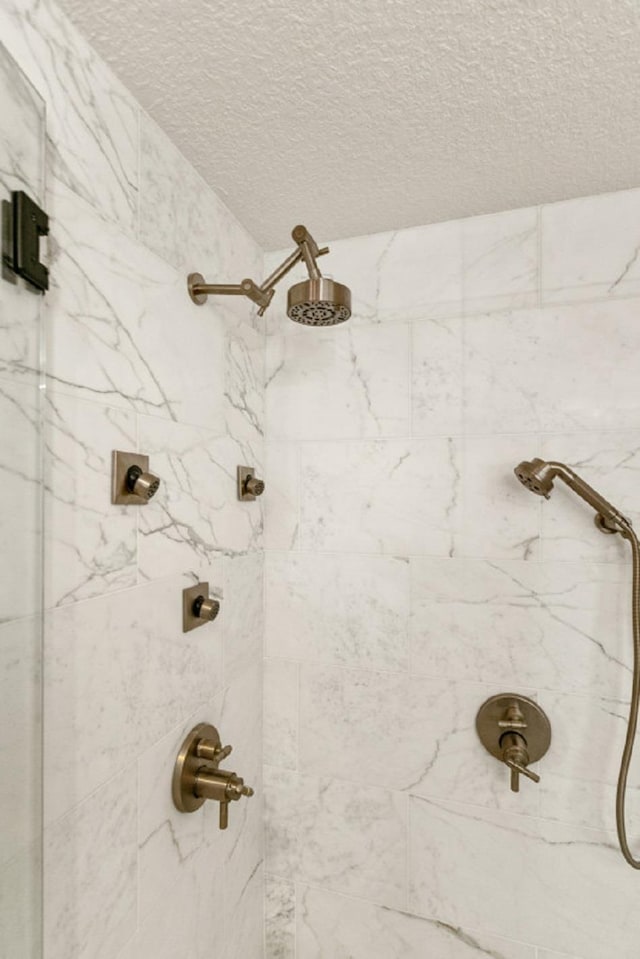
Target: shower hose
632	725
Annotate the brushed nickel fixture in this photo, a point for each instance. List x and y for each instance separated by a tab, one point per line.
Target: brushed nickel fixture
131	481
516	731
538	476
317	301
249	486
197	776
198	607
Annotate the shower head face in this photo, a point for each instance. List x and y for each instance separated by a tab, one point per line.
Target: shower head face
319	302
536	475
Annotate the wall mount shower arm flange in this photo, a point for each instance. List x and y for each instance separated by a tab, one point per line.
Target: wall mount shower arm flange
307	250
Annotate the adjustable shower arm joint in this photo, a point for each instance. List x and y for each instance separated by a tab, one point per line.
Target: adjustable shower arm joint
262	295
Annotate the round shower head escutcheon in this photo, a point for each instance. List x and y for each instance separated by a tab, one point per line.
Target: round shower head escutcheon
319	302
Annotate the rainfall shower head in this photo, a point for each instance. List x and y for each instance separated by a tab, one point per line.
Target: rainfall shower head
538	476
317	301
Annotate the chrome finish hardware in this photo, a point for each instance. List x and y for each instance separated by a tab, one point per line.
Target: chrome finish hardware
131	481
198	607
516	731
196	776
249	486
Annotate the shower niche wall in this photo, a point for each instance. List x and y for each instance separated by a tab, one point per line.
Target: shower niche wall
22	146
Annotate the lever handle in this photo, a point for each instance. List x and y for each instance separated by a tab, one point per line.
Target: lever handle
214	752
517	769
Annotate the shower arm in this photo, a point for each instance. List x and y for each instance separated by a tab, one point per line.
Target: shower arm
307	250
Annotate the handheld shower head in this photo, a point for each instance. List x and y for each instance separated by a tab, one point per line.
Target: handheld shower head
538	476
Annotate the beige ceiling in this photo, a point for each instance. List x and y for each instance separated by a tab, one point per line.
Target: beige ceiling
355	116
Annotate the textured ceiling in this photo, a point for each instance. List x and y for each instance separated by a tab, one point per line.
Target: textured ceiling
355	116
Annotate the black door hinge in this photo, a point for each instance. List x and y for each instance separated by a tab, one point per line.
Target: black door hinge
29	223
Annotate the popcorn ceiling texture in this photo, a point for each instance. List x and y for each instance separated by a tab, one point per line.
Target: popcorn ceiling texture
381	114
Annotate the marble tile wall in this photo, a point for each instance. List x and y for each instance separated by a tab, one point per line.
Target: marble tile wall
133	364
409	576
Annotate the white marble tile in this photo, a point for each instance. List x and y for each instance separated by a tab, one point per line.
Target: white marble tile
500	261
195	516
495	519
546	954
187	224
21	519
20	904
281	496
553	885
243	612
608	461
590	247
338	383
336	927
281	712
370	496
562	368
348	609
20	736
189	922
245	920
90	864
120	673
125	331
91	545
420	731
580	772
437	377
280	919
346	837
420	273
92	120
244	388
22	134
518	623
168	840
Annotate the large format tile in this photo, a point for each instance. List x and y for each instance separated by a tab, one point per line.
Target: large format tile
125	331
334	927
340	835
420	273
338	383
90	864
20	740
557	886
495	519
280	918
370	496
195	517
580	772
281	712
91	545
120	673
590	247
22	133
523	624
21	517
338	608
500	260
437	377
608	461
420	732
519	375
92	120
282	496
20	904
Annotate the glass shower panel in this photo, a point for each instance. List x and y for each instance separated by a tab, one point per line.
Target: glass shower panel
22	147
